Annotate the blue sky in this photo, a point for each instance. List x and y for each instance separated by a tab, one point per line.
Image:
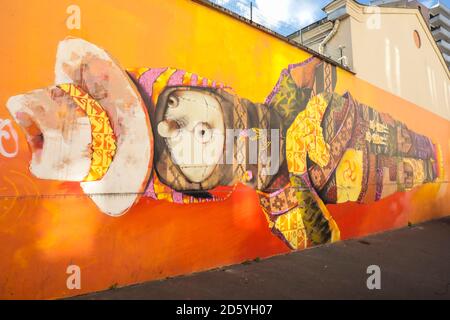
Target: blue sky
287	16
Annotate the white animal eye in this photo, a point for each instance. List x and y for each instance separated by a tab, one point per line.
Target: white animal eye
172	102
203	132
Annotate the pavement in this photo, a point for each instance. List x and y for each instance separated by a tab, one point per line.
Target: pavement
414	264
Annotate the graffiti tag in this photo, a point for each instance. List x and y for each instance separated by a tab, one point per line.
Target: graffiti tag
7	132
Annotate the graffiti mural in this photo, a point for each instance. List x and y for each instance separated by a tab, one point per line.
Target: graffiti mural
168	134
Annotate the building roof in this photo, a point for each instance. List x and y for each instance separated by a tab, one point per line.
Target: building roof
336	4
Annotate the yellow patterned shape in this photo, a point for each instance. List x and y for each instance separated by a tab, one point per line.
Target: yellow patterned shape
291	227
162	191
349	175
187	78
160	84
305	136
138	72
418	170
103	138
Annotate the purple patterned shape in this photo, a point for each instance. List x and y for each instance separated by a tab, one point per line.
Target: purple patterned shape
177	78
150	191
148	78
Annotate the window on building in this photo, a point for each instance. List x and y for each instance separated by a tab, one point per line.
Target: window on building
417	39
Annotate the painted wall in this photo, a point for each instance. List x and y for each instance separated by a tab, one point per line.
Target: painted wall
118	239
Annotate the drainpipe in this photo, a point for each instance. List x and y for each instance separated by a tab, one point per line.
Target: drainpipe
329	36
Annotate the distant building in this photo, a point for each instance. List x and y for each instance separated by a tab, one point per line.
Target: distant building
440	27
391	47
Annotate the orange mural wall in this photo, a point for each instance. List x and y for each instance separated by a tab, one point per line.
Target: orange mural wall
48	225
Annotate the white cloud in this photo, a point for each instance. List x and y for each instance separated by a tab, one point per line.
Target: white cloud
278	15
307	14
274	11
222	2
291	14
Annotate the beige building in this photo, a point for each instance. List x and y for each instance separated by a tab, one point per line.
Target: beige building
392	48
437	17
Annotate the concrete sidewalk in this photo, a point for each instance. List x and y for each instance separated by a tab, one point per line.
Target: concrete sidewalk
414	262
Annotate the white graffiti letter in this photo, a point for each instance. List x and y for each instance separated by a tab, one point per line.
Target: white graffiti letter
7	135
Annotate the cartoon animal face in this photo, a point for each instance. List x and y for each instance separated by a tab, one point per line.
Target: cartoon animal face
193	126
58	134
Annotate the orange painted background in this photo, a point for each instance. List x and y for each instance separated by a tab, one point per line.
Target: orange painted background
46	226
